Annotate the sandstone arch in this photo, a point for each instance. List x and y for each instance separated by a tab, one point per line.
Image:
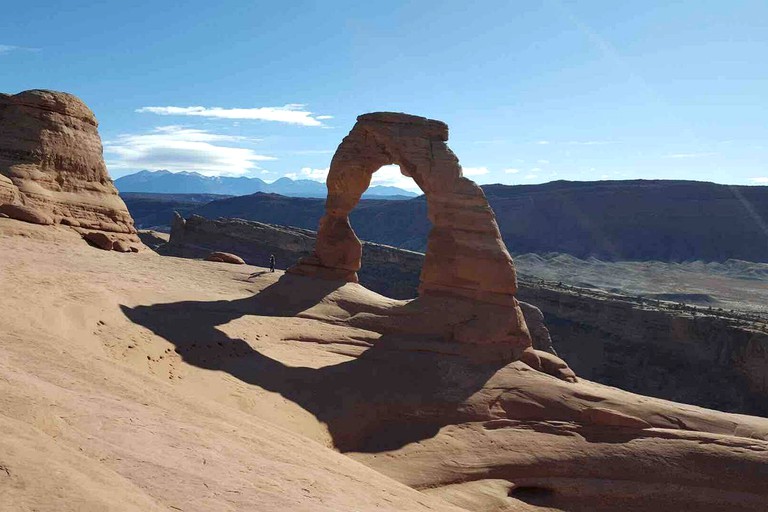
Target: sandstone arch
465	254
466	258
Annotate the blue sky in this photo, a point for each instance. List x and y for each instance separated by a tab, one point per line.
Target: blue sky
533	91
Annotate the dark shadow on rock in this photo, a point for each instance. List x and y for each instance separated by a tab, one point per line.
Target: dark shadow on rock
393	394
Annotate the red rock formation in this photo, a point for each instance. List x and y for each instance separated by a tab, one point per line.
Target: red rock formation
466	258
51	166
465	254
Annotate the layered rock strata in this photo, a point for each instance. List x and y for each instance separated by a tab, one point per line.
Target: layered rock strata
52	170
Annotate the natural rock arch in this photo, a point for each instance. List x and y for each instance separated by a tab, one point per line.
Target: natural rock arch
465	256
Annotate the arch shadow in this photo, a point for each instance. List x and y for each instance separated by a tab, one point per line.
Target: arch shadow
396	392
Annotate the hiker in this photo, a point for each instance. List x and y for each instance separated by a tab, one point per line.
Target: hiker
271	262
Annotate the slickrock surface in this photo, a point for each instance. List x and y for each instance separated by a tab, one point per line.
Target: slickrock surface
146	383
51	167
466	257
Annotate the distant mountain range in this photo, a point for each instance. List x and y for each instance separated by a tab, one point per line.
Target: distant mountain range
637	220
166	182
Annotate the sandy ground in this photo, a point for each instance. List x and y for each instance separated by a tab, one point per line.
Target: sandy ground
96	413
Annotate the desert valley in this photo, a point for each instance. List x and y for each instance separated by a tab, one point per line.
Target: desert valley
135	375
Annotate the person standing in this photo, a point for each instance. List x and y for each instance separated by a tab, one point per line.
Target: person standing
271	262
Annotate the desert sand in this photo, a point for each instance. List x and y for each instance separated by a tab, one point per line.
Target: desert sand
140	382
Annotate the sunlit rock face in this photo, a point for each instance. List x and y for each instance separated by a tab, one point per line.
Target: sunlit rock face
52	168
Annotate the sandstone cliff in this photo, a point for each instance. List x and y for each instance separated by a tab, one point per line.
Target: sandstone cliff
52	170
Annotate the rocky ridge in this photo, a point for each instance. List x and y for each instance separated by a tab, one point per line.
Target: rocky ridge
651	220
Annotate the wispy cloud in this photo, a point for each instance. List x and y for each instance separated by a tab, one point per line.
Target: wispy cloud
511	170
689	155
475	171
542	142
176	148
293	113
8	48
762	180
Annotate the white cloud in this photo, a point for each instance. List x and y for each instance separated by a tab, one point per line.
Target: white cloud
293	113
689	155
511	170
389	176
308	173
474	171
543	162
176	148
763	180
530	176
542	142
8	48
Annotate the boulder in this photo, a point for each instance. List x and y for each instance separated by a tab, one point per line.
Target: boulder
51	162
100	240
225	257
